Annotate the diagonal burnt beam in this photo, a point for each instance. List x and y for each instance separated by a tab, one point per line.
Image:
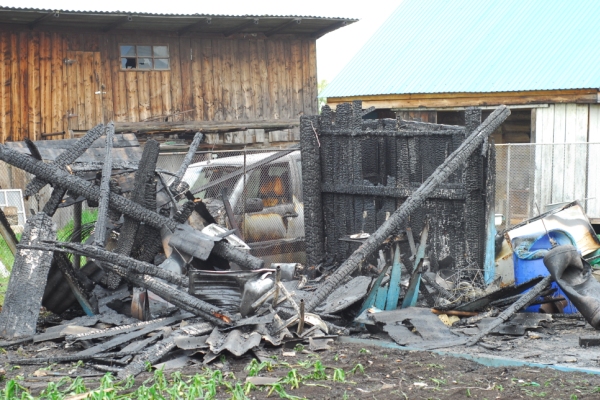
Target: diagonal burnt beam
67	157
100	229
80	187
187	160
27	281
100	254
397	220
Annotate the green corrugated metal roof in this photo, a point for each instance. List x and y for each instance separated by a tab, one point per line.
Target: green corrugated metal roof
443	46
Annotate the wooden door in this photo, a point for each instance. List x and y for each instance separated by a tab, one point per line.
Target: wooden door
85	90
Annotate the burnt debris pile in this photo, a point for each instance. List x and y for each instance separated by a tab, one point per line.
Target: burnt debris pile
400	239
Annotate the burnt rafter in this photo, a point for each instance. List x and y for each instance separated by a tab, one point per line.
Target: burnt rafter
242	26
121	21
329	28
195	25
283	26
44	17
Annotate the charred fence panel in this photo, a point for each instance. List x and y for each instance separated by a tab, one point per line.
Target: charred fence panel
357	172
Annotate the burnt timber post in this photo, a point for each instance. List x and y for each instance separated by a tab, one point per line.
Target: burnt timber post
27	281
311	190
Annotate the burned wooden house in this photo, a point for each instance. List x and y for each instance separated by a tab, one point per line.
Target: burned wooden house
66	71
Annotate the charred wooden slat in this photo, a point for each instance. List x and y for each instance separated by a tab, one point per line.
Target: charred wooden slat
100	254
67	157
398	219
27	281
187	160
54	201
67	359
122	339
204	126
100	230
80	187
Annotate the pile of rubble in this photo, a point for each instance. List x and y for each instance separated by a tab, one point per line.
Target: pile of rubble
168	282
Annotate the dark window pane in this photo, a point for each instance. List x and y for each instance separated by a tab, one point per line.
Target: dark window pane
161	63
144	63
161	51
144	51
128	50
128	63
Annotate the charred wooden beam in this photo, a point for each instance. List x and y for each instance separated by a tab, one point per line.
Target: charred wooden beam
196	24
7	233
100	229
100	254
188	159
80	187
241	27
121	21
77	216
54	201
397	220
204	126
524	301
283	26
67	359
67	157
41	19
27	281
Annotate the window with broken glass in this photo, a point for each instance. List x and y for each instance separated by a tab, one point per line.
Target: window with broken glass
144	57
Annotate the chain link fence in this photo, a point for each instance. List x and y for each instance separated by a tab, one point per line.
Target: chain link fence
534	178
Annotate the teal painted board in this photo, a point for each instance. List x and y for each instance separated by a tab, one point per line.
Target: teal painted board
450	46
394	289
370	300
412	294
381	297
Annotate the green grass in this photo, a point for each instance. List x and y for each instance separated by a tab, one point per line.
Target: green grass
63	234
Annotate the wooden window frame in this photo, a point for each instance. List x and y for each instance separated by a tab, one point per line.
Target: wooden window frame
136	57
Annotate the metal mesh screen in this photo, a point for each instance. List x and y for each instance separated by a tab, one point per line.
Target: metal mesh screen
266	201
543	176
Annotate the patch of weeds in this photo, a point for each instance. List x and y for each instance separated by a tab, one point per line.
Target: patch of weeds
277	388
573	397
438	382
339	375
435	366
292	379
336	357
319	371
358	367
255	367
299	348
364	351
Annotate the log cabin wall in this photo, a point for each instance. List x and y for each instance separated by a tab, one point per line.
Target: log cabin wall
60	81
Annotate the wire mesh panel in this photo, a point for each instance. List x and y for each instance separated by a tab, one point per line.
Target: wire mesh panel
535	178
265	198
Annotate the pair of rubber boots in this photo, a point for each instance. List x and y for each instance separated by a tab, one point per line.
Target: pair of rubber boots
574	276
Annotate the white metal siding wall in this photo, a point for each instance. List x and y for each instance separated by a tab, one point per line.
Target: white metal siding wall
565	173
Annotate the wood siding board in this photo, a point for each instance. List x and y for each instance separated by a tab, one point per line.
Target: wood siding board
283	58
543	157
165	84
4	86
56	82
119	88
248	109
207	79
155	88
558	154
64	103
196	85
45	83
569	152
175	54
89	87
312	85
15	89
217	72
226	79
108	102
186	46
306	92
593	168
236	80
297	77
273	81
143	80
131	87
33	103
97	99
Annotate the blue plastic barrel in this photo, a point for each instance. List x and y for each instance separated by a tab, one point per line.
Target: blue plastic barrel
528	261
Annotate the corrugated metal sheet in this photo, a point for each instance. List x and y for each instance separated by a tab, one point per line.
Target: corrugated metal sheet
443	46
217	23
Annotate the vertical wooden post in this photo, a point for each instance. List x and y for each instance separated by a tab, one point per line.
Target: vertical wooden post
77	211
311	190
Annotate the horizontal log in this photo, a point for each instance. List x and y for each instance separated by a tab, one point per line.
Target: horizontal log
204	126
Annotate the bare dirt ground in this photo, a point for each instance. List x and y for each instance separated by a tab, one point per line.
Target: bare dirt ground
368	373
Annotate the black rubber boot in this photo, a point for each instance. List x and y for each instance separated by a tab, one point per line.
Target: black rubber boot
574	276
